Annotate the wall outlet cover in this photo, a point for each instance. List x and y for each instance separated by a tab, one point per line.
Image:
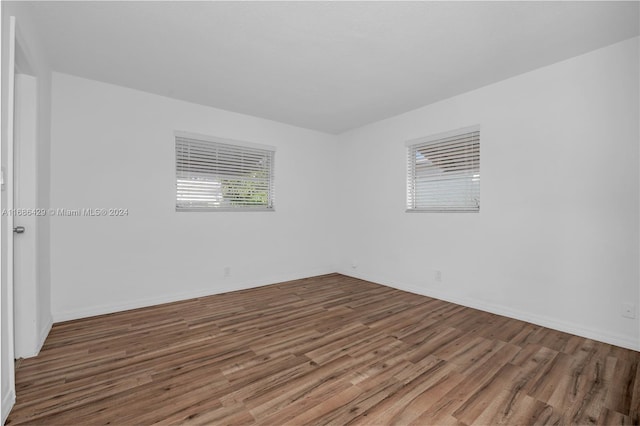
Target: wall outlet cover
628	310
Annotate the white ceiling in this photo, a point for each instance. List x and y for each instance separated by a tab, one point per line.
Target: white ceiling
330	66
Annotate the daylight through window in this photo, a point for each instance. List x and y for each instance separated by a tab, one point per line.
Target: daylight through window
443	172
218	174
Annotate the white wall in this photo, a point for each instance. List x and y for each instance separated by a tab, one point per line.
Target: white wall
32	59
556	241
113	147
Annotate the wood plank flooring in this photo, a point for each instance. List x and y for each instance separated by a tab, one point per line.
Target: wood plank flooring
323	350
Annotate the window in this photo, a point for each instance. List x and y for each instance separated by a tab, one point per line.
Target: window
215	174
443	172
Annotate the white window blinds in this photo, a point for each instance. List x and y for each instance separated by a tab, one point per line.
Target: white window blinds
443	172
217	174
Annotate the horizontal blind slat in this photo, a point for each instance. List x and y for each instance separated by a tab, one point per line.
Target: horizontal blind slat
444	174
217	175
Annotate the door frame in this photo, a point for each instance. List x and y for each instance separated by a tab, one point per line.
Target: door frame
27	342
7	233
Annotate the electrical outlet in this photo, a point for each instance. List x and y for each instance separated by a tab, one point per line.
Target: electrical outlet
227	271
438	276
628	310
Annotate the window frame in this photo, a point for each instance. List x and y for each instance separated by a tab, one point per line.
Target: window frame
434	139
270	150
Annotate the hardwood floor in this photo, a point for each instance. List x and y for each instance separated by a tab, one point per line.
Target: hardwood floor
323	350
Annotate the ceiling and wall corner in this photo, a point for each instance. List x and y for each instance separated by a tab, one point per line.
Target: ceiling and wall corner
328	66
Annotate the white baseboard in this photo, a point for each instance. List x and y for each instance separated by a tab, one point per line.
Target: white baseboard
544	321
169	298
8	401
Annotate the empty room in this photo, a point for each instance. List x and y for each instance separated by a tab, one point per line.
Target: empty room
320	212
